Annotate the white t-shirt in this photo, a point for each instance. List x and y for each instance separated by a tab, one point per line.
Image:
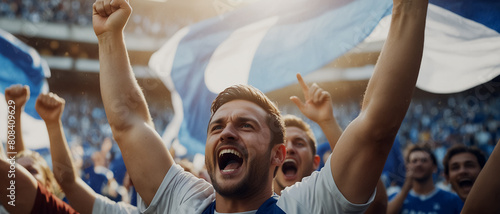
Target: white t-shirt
182	192
105	205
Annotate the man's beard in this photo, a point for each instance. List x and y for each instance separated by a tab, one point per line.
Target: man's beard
251	184
423	178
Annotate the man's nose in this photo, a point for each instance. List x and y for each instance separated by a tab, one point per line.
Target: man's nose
289	148
228	133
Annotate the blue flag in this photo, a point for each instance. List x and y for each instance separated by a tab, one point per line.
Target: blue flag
462	45
264	44
21	64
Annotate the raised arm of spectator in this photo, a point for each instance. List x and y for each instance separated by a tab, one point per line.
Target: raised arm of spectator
28	196
318	107
394	206
22	190
16	97
50	108
485	193
359	156
146	157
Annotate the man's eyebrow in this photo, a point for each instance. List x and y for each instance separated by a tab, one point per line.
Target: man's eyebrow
242	119
470	161
217	121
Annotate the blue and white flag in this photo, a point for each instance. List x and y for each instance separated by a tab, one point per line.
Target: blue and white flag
462	48
264	44
21	64
462	45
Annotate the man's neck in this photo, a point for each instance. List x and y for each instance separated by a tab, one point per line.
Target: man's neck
423	187
232	205
277	187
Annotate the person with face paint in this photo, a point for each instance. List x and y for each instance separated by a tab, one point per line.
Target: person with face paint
245	134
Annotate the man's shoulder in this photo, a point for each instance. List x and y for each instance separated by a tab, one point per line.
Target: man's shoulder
180	191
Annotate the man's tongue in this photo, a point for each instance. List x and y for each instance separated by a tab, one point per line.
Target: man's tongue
290	172
232	165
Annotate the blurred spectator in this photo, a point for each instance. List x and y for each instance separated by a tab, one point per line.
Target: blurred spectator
78	12
419	193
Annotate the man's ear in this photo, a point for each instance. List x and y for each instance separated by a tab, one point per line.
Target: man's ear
279	153
316	161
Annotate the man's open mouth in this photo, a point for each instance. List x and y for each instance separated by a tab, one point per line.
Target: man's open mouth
465	183
229	160
289	168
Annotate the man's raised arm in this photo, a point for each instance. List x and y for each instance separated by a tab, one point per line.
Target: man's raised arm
16	97
318	107
50	108
146	158
360	154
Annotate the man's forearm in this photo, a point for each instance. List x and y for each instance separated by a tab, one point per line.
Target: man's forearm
63	165
366	142
332	132
394	206
122	96
78	193
390	89
129	118
18	145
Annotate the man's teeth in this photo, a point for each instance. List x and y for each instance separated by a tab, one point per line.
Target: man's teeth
290	160
230	151
464	179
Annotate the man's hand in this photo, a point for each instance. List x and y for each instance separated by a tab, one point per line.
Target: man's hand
19	94
408	184
318	103
50	107
110	16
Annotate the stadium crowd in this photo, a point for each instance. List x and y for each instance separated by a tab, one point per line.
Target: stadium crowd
76	12
437	121
440	122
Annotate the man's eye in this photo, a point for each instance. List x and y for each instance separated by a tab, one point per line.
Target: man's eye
216	127
247	125
300	144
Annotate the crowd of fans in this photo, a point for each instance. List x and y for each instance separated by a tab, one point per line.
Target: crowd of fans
471	118
93	148
440	121
58	11
77	12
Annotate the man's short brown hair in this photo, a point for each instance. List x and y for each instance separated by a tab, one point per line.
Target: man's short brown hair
458	149
419	147
294	121
249	93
